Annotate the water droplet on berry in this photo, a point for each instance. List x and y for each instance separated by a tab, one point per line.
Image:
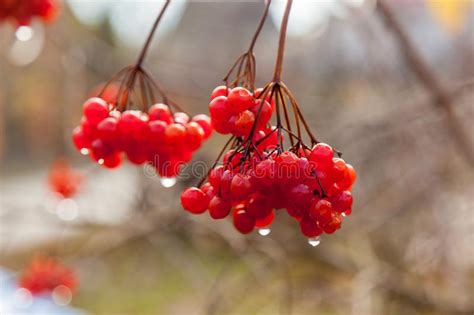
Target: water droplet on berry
343	214
264	231
168	182
22	298
62	295
100	161
24	33
67	209
84	151
315	241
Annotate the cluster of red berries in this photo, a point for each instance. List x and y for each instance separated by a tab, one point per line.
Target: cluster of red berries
164	139
64	180
312	185
44	274
23	11
234	111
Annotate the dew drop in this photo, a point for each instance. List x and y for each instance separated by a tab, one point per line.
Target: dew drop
24	33
264	231
343	214
84	151
100	161
315	241
168	182
62	295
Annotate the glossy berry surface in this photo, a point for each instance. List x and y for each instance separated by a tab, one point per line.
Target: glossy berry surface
157	137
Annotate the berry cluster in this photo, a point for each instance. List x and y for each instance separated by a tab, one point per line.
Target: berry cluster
45	274
23	11
63	180
234	111
312	185
158	136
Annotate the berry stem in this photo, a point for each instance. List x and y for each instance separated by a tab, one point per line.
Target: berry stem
281	44
260	25
142	55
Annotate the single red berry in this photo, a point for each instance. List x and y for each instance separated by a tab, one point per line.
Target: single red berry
181	118
194	135
240	187
243	222
95	110
219	91
205	122
156	133
266	221
175	134
310	228
107	129
259	207
322	155
215	176
321	210
334	224
194	200
239	99
160	112
80	140
343	201
113	160
244	123
219	208
219	109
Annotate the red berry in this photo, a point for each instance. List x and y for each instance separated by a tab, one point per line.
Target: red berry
80	140
219	207
219	109
322	154
95	110
181	118
194	200
240	187
243	221
194	135
321	211
219	91
113	160
259	207
175	134
266	221
239	99
343	201
107	129
160	112
156	133
310	228
244	123
215	176
205	122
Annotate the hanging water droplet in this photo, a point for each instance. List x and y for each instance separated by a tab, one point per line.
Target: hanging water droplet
315	241
344	215
168	182
84	151
100	161
264	231
24	33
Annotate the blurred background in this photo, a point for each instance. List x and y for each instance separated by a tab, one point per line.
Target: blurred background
406	248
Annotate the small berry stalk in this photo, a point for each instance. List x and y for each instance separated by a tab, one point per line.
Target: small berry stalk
158	133
264	167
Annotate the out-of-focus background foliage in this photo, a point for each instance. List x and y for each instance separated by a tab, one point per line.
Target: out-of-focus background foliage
406	249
